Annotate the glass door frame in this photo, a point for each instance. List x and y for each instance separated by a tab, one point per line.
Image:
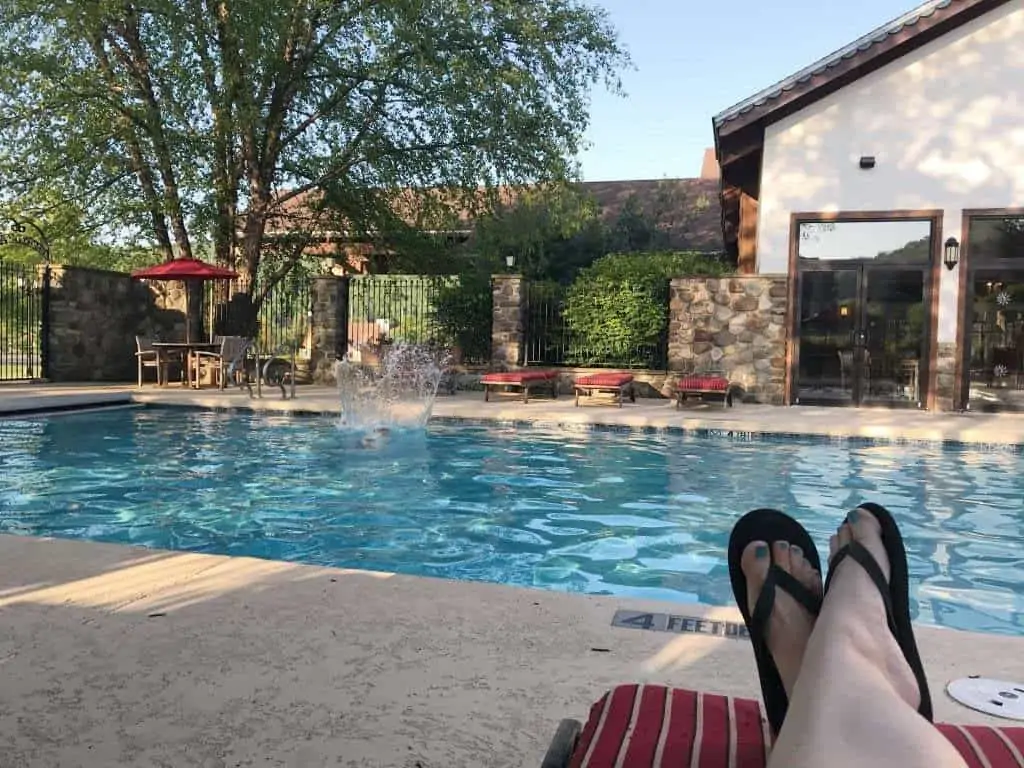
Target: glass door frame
969	266
865	270
931	282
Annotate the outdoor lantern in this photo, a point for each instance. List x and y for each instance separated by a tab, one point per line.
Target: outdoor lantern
952	257
510	260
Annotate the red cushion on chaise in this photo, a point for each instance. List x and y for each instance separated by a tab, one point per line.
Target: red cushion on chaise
517	377
705	383
652	726
605	380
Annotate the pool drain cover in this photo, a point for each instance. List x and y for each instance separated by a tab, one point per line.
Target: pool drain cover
993	697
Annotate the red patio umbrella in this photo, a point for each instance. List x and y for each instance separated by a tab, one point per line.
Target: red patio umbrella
186	270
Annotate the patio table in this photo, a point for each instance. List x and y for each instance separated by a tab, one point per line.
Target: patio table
187	348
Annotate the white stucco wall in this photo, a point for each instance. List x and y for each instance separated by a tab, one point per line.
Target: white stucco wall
945	124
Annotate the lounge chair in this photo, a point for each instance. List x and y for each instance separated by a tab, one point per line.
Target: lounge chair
652	726
616	384
524	380
702	385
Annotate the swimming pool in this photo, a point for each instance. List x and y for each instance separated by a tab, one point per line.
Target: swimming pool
603	512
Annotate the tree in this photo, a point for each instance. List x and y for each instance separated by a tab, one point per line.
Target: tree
219	123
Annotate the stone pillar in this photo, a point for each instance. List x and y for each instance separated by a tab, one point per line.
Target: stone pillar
735	326
945	377
507	321
328	326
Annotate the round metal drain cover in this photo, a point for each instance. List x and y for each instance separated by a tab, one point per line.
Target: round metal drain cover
993	697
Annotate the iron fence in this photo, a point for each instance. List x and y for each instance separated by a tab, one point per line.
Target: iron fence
442	311
24	293
281	323
550	340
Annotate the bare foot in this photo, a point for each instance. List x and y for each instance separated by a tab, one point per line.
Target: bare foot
790	624
854	594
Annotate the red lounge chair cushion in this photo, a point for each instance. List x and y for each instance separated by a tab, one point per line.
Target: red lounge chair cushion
605	380
703	384
639	724
517	377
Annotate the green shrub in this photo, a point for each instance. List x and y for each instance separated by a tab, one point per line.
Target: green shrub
462	311
617	308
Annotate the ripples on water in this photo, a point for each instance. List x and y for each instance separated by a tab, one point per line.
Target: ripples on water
644	515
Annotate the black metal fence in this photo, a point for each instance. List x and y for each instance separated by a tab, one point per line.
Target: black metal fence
24	292
280	325
443	311
550	340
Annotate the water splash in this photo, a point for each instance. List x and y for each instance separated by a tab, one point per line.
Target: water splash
397	392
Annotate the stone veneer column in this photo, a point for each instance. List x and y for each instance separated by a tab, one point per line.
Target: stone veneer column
733	325
328	326
945	377
507	320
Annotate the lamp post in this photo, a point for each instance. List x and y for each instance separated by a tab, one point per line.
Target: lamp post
510	261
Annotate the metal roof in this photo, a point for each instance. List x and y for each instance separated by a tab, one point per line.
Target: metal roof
860	45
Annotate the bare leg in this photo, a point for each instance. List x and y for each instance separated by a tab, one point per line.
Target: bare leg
855	698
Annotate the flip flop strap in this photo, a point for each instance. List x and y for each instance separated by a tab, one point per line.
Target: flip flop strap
859	553
780	579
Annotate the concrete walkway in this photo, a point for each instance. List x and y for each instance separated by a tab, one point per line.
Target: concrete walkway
878	423
113	656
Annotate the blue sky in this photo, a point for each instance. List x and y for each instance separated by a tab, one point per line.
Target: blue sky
694	58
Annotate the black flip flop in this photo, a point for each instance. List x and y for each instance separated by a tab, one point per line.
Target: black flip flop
895	593
770	525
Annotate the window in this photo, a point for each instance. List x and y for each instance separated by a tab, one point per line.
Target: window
996	238
905	241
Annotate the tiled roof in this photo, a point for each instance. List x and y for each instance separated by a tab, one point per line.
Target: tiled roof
857	47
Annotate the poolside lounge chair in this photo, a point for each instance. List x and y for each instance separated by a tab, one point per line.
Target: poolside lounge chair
701	385
615	383
652	726
523	379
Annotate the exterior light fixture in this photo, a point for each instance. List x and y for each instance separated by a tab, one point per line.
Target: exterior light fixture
867	162
510	260
951	255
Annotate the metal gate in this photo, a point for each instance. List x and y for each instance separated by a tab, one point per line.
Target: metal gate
24	296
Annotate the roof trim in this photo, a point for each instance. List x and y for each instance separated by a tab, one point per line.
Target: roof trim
865	49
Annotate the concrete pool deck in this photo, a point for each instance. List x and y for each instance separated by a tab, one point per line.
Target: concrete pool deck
111	655
878	423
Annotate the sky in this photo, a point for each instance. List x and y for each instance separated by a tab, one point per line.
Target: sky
695	58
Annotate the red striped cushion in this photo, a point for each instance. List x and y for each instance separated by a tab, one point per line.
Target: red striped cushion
703	383
605	379
516	377
651	726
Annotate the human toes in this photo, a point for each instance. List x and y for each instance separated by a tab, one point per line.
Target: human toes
755	563
780	555
803	570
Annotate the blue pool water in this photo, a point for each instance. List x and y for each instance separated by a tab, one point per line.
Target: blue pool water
602	512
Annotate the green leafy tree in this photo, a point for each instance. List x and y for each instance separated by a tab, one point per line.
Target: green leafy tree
221	123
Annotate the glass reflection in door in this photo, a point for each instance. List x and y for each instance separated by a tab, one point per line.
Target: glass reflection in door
829	360
997	341
894	326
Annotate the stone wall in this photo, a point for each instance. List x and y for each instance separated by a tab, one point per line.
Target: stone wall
507	321
94	318
735	325
329	326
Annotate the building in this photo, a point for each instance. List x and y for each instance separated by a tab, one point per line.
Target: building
886	182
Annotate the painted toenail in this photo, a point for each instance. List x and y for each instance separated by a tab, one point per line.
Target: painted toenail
854	514
795	550
761	551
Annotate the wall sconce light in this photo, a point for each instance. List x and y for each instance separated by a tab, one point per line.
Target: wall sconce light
844	311
951	255
510	261
867	162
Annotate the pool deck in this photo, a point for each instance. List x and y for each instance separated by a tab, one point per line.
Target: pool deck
111	655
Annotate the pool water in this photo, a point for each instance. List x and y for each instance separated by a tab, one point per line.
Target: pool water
601	512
